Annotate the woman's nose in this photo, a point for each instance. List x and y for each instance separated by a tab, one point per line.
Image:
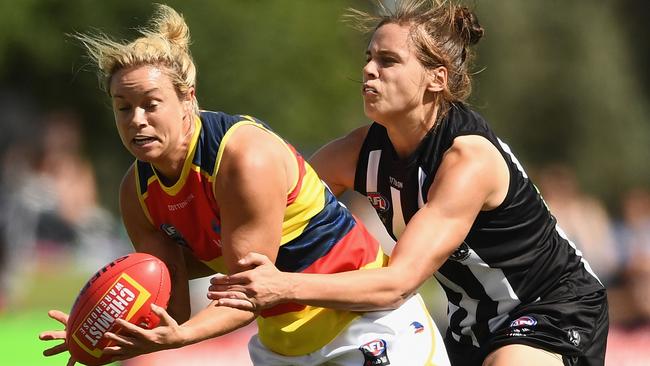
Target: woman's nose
139	119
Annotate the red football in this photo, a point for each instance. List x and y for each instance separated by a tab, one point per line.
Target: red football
124	288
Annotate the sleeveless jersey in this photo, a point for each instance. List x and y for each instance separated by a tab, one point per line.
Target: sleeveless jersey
319	235
513	254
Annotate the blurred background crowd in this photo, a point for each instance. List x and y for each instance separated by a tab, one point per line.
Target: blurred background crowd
566	84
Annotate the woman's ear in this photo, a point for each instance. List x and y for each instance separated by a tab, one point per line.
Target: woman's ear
437	79
190	100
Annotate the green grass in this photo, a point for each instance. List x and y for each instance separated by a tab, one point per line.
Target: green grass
53	284
19	337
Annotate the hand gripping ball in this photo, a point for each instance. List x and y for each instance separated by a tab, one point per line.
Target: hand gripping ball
125	288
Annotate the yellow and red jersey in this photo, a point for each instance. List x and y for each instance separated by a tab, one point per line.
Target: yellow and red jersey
319	235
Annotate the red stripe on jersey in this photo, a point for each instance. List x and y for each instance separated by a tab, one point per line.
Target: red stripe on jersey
288	307
301	173
355	250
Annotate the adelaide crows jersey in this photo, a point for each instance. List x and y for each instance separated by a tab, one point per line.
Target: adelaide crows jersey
319	235
513	254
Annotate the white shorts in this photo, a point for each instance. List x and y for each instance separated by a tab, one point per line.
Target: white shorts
405	336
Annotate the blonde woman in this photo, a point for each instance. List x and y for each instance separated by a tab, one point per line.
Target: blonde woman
206	189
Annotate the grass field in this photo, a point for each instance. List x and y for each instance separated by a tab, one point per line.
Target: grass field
19	339
52	284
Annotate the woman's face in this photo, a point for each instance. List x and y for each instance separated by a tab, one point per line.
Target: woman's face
151	119
394	79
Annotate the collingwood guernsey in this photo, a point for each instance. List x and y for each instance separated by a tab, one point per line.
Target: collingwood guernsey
499	264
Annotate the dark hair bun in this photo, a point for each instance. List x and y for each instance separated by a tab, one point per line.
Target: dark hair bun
467	26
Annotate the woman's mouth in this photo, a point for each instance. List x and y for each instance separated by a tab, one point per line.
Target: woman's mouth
143	140
368	90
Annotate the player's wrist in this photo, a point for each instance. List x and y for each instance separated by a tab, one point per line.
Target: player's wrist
291	289
185	335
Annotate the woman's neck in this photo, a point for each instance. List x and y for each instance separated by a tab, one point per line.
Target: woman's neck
171	167
406	133
169	172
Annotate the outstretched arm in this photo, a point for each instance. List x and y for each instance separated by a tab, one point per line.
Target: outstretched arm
472	177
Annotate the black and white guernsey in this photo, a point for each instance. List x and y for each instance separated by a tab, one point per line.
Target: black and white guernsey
514	254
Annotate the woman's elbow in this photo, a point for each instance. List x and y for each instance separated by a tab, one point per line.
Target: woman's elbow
400	297
394	296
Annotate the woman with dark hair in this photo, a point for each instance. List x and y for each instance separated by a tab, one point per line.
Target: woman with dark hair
456	200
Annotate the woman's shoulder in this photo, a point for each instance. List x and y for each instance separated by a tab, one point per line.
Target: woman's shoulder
463	120
359	134
210	119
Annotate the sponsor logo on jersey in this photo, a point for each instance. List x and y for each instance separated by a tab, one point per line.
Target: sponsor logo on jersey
395	183
378	201
417	327
574	337
174	235
461	253
522	326
374	353
182	204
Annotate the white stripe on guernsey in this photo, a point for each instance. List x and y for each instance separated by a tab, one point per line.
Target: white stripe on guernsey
578	252
506	148
451	309
372	171
421	178
467	303
494	282
398	218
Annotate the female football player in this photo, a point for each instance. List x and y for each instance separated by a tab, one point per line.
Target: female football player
457	201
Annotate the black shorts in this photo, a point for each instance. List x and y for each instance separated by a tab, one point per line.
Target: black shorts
575	328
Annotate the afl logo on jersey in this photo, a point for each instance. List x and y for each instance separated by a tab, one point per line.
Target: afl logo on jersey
522	326
378	201
461	253
524	321
375	353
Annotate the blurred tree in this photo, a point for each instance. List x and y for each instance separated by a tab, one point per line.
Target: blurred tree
291	63
634	16
559	83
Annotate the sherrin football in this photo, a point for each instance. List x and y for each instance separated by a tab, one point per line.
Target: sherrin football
125	288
